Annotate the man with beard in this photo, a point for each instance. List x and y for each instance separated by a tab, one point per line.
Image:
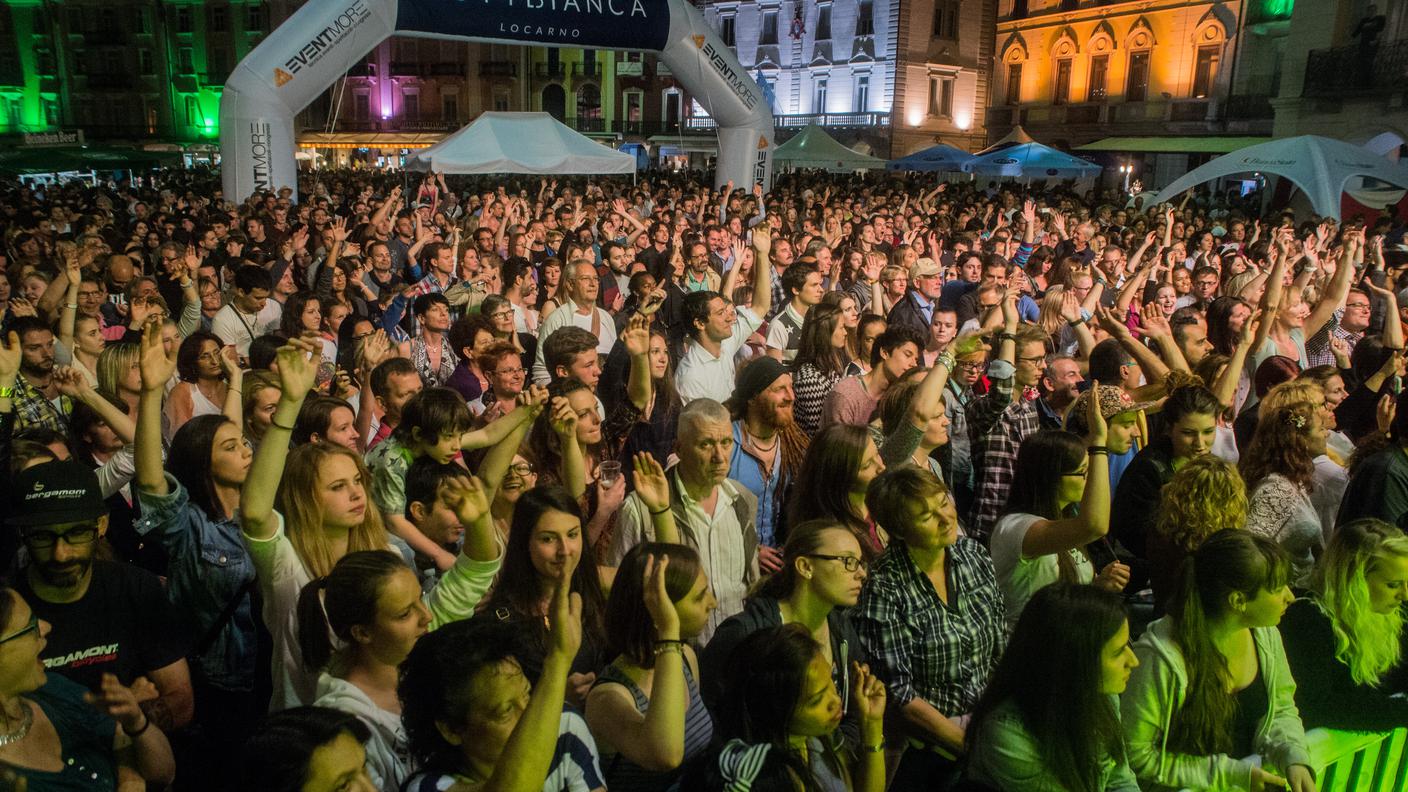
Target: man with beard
31	386
106	617
767	447
713	513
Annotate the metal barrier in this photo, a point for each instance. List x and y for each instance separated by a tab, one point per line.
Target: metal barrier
1359	761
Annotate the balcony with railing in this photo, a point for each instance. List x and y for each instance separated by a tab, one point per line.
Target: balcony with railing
446	69
549	71
498	69
1356	69
797	121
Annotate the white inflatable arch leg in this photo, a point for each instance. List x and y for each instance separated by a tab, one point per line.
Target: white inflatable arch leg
325	38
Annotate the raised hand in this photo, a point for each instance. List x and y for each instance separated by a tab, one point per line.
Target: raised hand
652	486
156	363
71	381
636	336
375	348
1249	328
762	241
1097	431
465	497
563	418
1070	306
867	694
565	616
118	702
19	306
1111	324
657	600
1385	411
298	367
1153	323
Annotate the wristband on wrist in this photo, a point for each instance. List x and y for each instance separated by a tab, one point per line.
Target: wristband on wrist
1005	336
662	511
278	425
946	360
7	391
1076	322
71	305
876	748
146	724
1097	450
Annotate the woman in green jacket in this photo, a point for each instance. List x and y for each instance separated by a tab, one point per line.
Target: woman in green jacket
1212	704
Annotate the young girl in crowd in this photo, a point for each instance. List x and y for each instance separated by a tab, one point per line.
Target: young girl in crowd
1205	496
779	722
1049	719
820	363
260	398
323	513
823	570
1059	504
567	442
1345	641
1213	691
546	542
190	511
645	709
372	604
1278	468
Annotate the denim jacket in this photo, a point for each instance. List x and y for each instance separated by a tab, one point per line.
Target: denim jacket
209	566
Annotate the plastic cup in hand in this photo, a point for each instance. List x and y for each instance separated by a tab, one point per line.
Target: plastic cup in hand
608	473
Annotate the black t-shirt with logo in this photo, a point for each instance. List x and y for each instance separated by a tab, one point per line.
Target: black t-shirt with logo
123	625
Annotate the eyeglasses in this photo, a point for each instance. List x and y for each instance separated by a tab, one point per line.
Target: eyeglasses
513	372
1032	360
849	563
522	469
1357	306
976	366
31	627
501	314
77	535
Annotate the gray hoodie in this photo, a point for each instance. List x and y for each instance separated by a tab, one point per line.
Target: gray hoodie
1156	691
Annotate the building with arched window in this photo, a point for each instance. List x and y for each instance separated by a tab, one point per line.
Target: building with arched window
1156	86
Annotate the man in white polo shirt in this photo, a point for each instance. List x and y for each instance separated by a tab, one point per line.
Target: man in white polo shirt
583	284
706	368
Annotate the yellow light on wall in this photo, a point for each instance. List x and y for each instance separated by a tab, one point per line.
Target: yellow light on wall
915	116
963	119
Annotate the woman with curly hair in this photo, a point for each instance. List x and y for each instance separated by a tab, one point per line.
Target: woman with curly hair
1345	640
1278	468
1204	496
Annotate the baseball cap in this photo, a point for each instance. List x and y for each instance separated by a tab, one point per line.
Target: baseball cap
924	268
54	493
1113	401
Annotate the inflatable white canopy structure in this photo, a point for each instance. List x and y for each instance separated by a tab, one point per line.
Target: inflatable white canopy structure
520	143
324	38
1321	167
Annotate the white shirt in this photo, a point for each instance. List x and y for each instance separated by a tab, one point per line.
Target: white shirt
1020	577
234	327
701	375
565	315
718	538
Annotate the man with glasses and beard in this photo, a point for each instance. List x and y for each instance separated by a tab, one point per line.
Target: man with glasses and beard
107	617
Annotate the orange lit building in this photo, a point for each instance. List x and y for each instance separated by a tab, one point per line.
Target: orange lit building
1156	86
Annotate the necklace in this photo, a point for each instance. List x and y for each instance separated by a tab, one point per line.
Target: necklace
753	441
21	731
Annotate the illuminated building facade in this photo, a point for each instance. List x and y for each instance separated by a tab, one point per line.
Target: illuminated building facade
125	70
1184	79
881	75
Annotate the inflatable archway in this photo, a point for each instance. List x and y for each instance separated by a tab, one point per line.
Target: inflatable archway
324	38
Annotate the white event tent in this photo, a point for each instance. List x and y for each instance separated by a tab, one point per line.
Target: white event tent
520	143
1321	167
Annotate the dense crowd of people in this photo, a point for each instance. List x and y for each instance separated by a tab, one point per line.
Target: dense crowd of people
862	483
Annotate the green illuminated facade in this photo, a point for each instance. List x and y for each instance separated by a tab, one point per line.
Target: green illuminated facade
123	70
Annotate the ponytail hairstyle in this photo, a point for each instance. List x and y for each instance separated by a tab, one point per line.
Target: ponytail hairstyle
349	598
1229	562
766	675
1369	643
803	539
1050	675
1043	460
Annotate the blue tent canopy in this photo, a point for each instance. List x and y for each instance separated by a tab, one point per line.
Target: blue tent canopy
1031	161
942	157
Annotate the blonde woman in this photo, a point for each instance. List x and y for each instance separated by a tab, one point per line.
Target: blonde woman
1205	495
1345	641
323	514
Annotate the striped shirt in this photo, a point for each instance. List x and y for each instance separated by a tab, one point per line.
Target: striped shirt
574	764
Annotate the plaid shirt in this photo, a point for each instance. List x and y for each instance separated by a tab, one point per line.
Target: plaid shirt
923	647
996	427
1317	348
33	409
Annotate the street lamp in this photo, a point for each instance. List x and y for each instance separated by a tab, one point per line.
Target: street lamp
1126	169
